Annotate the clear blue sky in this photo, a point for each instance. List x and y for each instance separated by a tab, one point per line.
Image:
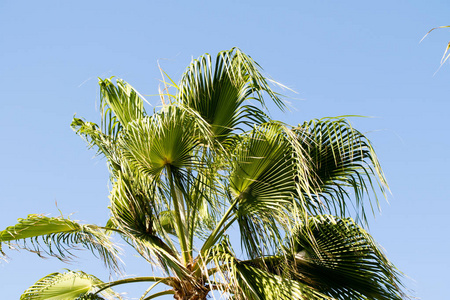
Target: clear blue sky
342	57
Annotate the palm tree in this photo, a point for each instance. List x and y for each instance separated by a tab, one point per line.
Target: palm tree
209	159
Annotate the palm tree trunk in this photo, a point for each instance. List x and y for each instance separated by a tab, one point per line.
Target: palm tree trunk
189	292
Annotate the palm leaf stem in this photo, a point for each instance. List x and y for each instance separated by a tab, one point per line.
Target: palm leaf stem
215	235
212	239
149	289
186	253
169	292
107	285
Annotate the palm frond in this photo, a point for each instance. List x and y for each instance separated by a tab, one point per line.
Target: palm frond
134	206
168	138
218	90
135	213
155	251
106	144
339	258
120	104
268	169
60	236
68	285
341	158
249	282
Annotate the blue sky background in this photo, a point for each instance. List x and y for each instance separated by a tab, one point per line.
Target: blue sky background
342	57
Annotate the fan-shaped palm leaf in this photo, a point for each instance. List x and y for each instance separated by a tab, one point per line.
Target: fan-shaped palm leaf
269	170
218	92
165	139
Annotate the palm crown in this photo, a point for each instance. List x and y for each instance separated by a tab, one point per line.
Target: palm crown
211	158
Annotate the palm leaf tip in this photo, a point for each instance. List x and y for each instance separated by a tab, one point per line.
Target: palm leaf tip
446	54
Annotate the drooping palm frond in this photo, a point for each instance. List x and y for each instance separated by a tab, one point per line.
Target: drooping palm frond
60	236
68	285
341	158
339	258
134	206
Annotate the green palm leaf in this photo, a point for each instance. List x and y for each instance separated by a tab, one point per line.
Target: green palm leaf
120	105
339	258
218	90
68	285
165	139
106	144
60	235
268	172
247	281
341	158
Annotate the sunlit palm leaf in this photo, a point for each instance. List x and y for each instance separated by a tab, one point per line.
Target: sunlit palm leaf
259	284
134	206
60	235
165	139
119	103
134	217
133	213
68	285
